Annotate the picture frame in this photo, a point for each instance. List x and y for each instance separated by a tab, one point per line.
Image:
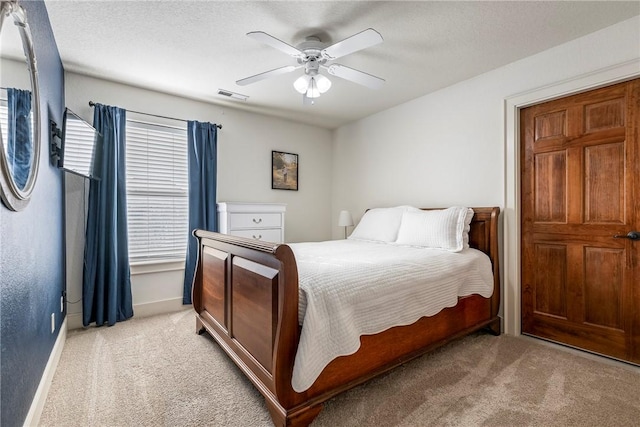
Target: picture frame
284	171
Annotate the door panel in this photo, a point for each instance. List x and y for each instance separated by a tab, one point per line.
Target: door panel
550	187
551	291
580	173
604	115
603	286
604	183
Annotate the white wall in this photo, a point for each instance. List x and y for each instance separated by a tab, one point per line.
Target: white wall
244	175
450	147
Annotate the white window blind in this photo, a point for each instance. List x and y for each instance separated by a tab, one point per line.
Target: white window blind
4	120
157	192
79	146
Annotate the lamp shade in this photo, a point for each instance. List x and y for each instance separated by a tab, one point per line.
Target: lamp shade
323	83
345	219
312	85
312	90
302	83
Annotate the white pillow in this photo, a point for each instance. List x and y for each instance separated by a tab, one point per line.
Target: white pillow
380	224
444	229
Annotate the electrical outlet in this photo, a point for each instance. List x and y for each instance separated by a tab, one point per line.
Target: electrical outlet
62	304
53	322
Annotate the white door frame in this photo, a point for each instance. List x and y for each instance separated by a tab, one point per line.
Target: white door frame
511	216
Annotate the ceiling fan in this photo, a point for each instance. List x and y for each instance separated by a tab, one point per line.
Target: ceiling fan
313	55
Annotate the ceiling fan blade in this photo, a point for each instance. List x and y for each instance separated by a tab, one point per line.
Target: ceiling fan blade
362	40
269	40
355	76
266	75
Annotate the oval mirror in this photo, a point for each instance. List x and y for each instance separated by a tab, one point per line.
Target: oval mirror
19	108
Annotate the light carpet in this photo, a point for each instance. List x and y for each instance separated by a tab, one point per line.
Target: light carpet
156	371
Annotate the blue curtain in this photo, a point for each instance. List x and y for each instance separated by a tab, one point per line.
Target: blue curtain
202	146
106	287
20	143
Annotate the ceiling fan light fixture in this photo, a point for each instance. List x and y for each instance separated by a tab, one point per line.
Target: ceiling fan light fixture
324	84
313	91
312	86
302	83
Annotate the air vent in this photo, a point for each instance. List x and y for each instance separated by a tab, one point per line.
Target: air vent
232	95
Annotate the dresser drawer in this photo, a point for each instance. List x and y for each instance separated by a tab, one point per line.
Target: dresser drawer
266	235
254	220
260	221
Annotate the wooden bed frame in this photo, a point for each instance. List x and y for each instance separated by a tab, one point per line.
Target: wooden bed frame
245	294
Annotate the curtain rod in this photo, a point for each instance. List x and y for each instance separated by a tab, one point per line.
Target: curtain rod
91	104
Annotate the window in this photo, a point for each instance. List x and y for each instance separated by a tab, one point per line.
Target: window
157	192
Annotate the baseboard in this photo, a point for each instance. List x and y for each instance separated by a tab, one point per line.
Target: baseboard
158	307
139	310
75	321
40	398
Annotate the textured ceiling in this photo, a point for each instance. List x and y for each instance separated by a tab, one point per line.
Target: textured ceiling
195	48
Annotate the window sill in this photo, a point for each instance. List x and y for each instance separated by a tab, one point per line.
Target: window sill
148	267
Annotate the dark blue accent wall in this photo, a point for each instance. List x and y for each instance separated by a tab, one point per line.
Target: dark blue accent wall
32	248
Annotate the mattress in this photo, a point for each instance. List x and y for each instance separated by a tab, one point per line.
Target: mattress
350	288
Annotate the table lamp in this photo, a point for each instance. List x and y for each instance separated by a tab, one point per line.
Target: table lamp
345	220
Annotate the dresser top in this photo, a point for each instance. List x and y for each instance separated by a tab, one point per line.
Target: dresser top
251	207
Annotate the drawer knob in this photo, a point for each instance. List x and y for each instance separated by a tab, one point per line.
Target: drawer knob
257	238
257	221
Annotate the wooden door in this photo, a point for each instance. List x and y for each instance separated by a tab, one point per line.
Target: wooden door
580	170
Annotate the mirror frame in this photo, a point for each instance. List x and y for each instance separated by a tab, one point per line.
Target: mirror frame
14	197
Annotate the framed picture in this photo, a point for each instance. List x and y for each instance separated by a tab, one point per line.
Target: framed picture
284	171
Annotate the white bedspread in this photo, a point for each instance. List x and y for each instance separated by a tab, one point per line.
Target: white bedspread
351	288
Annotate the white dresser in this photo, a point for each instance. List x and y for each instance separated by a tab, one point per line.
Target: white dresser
260	221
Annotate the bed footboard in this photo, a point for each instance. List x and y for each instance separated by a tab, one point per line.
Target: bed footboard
245	294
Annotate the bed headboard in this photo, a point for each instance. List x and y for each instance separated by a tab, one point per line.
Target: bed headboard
483	234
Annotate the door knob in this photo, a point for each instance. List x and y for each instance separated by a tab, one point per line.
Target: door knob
632	235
